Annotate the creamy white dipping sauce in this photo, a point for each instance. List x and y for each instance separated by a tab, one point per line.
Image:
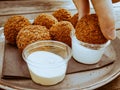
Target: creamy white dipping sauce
46	68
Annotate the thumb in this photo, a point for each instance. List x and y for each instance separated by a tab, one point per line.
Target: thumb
107	26
105	14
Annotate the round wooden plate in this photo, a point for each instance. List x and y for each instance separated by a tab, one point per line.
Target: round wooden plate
83	80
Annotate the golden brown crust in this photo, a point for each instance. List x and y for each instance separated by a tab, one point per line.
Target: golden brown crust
13	26
88	30
45	20
74	19
62	15
30	34
61	32
115	1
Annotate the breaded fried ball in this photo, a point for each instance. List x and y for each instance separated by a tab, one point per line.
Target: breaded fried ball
62	15
30	34
61	32
13	26
88	30
74	19
45	20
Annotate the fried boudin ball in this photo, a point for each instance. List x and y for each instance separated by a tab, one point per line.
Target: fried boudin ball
88	30
45	20
61	32
74	19
30	34
62	15
13	26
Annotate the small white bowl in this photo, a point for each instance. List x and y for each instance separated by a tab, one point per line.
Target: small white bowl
47	61
87	53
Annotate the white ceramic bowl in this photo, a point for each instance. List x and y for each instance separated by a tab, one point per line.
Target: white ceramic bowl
87	53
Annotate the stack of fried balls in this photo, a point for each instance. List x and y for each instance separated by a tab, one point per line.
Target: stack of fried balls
20	32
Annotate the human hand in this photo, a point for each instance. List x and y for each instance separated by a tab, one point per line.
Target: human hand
104	11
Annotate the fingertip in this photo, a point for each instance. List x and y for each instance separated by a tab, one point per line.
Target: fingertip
111	35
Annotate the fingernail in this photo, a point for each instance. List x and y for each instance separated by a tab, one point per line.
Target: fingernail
112	35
